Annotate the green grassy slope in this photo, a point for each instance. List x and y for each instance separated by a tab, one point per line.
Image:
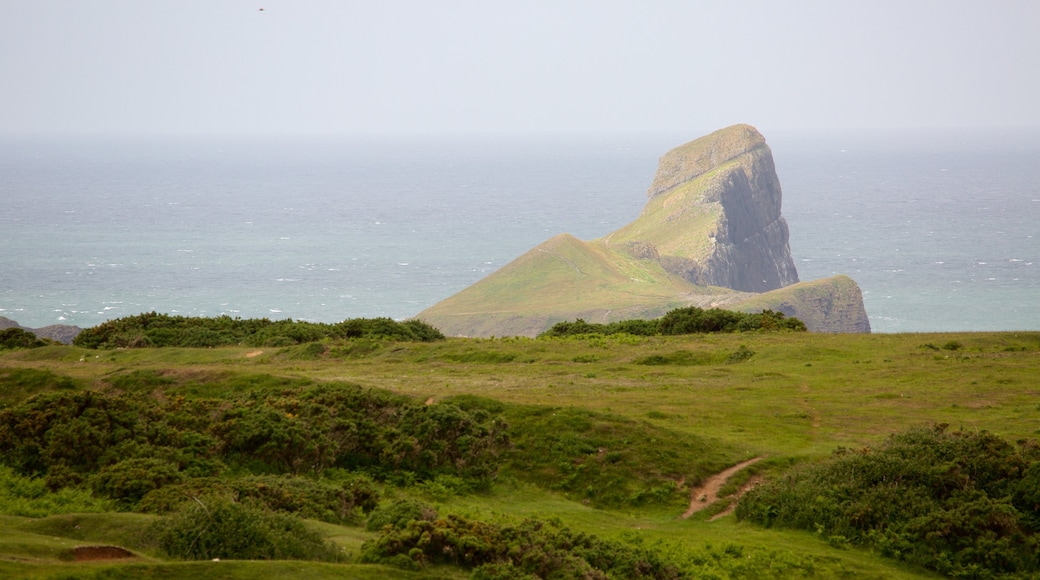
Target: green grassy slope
675	225
593	402
560	279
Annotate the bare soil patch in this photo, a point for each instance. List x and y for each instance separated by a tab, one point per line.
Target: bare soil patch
708	493
93	553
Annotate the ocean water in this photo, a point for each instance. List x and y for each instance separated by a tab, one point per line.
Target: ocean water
940	229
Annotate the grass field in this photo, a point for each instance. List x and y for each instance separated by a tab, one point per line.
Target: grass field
682	407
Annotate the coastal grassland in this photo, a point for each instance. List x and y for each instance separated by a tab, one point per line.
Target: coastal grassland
588	416
679	209
586	272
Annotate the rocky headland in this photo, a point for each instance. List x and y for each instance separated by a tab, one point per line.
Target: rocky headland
710	235
63	333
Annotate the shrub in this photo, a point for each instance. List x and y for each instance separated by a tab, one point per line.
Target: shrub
160	330
954	502
688	320
12	338
534	548
218	528
695	320
68	437
128	481
740	355
398	513
337	502
679	357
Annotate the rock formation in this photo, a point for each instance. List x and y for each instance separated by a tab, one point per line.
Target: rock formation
710	235
714	214
63	333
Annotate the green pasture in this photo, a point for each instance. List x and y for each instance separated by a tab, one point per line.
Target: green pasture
593	413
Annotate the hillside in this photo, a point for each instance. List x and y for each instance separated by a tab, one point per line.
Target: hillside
710	235
609	440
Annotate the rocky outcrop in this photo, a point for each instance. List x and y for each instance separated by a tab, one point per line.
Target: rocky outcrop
63	333
832	304
728	181
711	235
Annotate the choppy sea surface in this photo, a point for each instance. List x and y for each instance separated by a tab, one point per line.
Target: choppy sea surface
941	229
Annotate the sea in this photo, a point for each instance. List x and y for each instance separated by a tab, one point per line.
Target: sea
940	228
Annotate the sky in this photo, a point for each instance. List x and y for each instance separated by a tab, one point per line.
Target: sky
487	66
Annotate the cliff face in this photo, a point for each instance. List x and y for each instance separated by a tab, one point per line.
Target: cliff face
833	305
711	235
728	180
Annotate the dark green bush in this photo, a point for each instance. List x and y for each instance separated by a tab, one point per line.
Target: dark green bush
953	345
128	481
960	503
740	355
695	320
689	320
162	330
680	358
217	528
399	513
343	501
12	338
130	443
534	548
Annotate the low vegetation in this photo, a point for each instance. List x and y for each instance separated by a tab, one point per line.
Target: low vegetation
571	455
204	530
12	338
965	504
128	446
688	320
158	330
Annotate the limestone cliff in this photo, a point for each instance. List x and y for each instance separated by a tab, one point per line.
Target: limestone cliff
710	235
714	214
832	304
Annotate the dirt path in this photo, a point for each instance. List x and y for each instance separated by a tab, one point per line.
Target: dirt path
707	494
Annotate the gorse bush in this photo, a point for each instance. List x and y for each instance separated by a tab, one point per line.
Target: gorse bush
12	338
129	480
399	513
959	503
545	548
128	445
343	500
532	549
159	330
217	528
689	320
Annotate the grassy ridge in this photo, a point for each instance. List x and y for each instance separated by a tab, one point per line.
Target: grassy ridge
587	415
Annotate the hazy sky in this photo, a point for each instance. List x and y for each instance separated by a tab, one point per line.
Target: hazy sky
336	66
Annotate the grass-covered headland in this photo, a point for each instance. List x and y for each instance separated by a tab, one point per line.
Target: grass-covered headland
374	449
